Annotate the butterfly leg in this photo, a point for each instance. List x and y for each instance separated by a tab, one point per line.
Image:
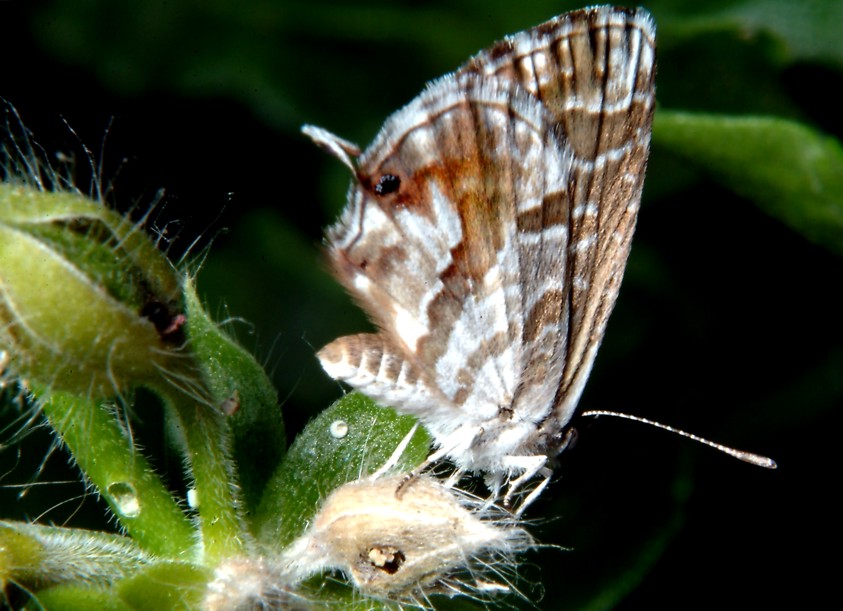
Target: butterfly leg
535	492
449	448
454	478
530	465
414	474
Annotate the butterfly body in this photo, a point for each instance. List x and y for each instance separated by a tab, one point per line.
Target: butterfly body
486	234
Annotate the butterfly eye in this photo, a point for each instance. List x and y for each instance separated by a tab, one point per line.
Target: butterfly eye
388	183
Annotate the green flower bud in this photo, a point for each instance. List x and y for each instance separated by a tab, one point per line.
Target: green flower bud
87	303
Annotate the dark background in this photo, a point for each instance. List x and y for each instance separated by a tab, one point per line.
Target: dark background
727	324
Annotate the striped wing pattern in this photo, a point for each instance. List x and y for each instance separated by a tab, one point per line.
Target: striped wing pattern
486	235
594	70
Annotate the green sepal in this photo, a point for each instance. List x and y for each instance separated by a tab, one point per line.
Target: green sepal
319	461
88	304
166	585
77	598
239	385
36	556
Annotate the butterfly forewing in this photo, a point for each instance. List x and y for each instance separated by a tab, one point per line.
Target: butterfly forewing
487	232
594	71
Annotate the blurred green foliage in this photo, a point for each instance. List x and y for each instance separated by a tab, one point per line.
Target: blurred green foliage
728	323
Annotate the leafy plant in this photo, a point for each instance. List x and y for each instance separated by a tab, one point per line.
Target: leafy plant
726	325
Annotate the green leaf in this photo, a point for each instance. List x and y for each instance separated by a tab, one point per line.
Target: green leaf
809	30
321	459
791	171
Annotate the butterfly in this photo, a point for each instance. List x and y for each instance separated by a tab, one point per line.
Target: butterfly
486	234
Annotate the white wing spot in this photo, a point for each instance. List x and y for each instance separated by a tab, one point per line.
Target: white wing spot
409	329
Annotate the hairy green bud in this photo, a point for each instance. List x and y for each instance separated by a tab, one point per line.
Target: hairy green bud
88	304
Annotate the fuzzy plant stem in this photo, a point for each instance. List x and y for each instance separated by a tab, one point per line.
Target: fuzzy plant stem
216	494
113	464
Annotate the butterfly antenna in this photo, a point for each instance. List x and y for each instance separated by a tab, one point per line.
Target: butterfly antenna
751	458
